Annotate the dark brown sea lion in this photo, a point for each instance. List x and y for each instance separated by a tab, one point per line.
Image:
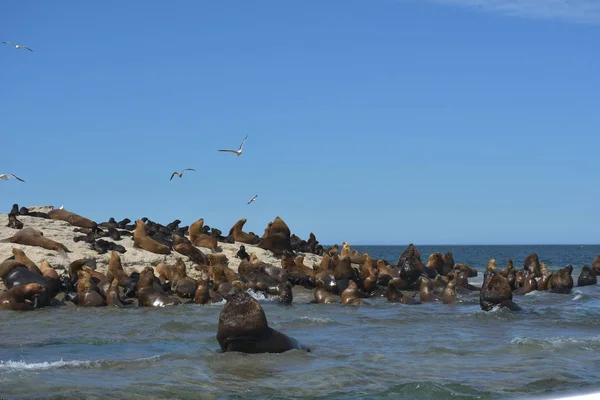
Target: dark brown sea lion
426	290
243	327
561	281
13	273
496	291
587	277
32	237
350	294
532	264
333	250
72	218
241	254
225	287
240	236
182	246
22	297
276	237
113	299
410	265
394	295
147	295
449	296
88	293
297	275
143	241
448	263
322	296
13	222
519	279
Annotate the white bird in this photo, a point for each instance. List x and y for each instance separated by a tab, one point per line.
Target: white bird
6	177
239	151
180	174
18	46
61	207
252	200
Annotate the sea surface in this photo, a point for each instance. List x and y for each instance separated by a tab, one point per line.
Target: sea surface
551	349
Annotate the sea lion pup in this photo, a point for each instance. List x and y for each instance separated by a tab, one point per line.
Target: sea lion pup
426	290
587	277
32	237
436	261
183	246
529	285
143	241
561	281
112	297
532	264
147	295
410	265
241	254
243	327
21	257
112	223
22	297
240	236
449	295
276	237
296	275
394	295
496	291
13	222
350	295
72	218
88	294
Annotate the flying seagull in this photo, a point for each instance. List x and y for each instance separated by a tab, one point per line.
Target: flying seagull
239	151
180	174
252	200
18	46
6	177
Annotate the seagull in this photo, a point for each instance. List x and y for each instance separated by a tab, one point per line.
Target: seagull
252	200
18	46
6	177
180	174
239	151
61	207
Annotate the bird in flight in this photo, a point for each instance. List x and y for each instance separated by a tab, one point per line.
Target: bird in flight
180	174
18	46
252	200
239	151
6	177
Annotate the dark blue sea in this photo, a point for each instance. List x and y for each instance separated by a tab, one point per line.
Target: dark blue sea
551	349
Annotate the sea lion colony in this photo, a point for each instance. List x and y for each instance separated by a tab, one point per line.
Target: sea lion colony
343	276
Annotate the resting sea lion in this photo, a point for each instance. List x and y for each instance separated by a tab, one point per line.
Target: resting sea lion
21	297
240	236
276	237
21	257
32	237
394	295
13	222
143	241
147	295
350	295
87	292
72	218
112	298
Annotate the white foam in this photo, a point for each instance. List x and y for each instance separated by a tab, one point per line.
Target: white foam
578	295
590	396
319	320
257	295
22	365
549	342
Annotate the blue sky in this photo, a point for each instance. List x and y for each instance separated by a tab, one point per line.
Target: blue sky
374	122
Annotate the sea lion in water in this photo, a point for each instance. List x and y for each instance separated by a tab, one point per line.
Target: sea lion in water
449	296
394	295
436	261
322	296
87	292
240	236
143	241
529	284
426	290
410	265
32	237
544	280
21	297
350	295
532	264
147	295
596	265
561	281
587	277
112	298
243	327
491	265
496	291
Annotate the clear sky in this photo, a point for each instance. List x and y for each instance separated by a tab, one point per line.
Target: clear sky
370	121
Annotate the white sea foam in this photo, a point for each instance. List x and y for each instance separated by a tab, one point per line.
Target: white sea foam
578	295
317	320
22	365
555	342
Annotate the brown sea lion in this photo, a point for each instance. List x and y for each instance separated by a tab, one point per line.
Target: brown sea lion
529	284
370	286
21	257
21	297
596	265
587	277
115	271
448	263
333	250
72	218
440	282
449	296
276	237
240	236
532	264
113	299
367	268
436	261
13	222
426	290
519	279
346	251
182	246
491	265
143	241
147	295
52	278
13	273
88	293
350	295
32	237
394	295
243	327
387	272
496	291
471	272
544	280
561	281
226	287
299	261
322	296
296	275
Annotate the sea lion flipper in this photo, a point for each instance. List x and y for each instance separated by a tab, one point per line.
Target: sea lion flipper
7	240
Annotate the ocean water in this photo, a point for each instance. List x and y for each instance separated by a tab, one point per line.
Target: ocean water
551	349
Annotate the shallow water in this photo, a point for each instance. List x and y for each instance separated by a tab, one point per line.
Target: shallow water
383	350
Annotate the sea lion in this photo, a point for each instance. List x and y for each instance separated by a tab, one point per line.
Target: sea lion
115	271
276	237
440	282
112	297
394	295
147	295
410	265
13	222
202	239
471	272
21	257
561	281
449	296
496	291
491	265
544	280
22	297
529	284
322	295
53	282
333	250
387	272
367	268
241	254
183	246
13	273
296	275
448	263
436	261
350	294
88	293
532	264
596	265
143	241
344	272
240	236
346	251
32	237
299	261
587	277
243	327
72	218
426	290
204	294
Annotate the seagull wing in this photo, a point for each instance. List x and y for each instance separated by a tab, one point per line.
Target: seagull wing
173	174
243	141
25	47
16	177
231	151
188	169
9	43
